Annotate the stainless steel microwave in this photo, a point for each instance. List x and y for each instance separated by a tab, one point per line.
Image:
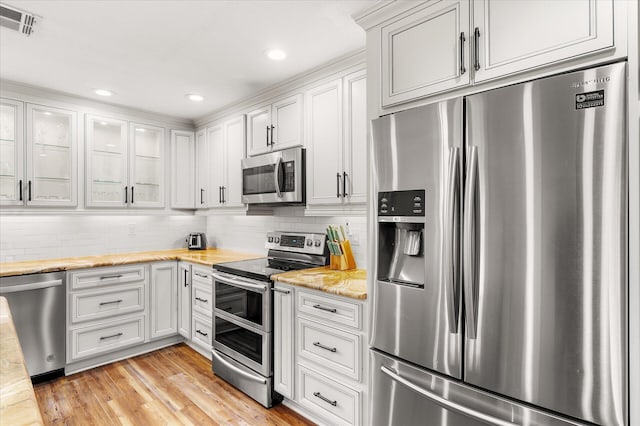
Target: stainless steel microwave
274	178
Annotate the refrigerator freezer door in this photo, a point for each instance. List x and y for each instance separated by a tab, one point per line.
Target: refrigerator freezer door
405	395
548	235
413	150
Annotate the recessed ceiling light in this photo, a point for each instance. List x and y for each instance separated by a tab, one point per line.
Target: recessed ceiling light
276	54
195	97
103	92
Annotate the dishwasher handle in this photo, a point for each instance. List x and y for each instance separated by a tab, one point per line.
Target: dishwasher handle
29	286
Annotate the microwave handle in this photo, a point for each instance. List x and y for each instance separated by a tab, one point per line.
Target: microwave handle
276	175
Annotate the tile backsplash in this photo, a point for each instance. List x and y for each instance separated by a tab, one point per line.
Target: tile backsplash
32	237
247	233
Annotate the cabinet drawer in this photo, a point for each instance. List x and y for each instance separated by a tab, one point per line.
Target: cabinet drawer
328	309
107	337
103	303
329	399
96	277
202	275
202	300
201	331
329	348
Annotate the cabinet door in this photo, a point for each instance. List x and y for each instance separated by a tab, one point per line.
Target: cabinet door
425	52
286	119
324	143
106	166
355	138
184	299
203	192
182	169
215	138
519	35
283	344
234	135
52	135
146	164
258	131
11	152
163	306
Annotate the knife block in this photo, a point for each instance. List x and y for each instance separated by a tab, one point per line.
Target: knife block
344	262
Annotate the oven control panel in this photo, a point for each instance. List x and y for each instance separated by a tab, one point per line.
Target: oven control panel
300	242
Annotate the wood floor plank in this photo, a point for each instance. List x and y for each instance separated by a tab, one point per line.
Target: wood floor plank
172	386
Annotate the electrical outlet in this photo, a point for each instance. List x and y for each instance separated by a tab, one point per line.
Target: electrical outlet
354	236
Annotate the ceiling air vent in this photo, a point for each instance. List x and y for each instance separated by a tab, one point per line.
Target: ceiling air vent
17	20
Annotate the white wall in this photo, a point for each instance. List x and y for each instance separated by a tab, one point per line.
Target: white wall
32	237
247	233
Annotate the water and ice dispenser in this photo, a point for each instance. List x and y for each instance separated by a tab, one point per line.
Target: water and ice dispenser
401	220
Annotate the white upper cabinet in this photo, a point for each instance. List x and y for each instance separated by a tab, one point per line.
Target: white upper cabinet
146	165
425	52
11	152
202	191
276	126
182	169
106	166
337	141
226	144
512	36
51	156
125	164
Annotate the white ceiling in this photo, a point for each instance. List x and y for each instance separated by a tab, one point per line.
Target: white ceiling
152	53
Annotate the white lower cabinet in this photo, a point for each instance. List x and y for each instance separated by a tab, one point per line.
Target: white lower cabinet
201	308
163	300
319	356
184	299
106	337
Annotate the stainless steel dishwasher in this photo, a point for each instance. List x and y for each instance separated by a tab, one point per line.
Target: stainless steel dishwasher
38	306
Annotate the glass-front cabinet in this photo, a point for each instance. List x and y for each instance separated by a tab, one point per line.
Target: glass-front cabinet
47	174
125	164
11	152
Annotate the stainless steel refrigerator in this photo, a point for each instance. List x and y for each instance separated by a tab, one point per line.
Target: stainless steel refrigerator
499	291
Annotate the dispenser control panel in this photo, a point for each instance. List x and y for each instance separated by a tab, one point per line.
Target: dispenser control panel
401	203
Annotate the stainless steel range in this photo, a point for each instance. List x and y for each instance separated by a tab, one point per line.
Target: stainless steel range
243	311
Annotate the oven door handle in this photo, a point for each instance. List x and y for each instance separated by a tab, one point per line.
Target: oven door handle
238	282
236	370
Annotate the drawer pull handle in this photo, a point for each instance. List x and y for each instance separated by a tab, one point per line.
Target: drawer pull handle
322	308
111	337
202	300
201	275
200	332
109	277
326	348
110	303
325	399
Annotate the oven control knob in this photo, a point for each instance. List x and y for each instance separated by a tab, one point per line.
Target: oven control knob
270	239
309	243
276	240
318	242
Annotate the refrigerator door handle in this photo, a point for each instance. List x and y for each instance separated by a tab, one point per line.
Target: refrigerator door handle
469	277
451	257
445	403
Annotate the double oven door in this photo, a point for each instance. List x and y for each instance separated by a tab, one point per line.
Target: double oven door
242	320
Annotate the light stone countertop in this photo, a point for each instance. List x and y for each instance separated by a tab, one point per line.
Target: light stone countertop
18	404
352	283
208	257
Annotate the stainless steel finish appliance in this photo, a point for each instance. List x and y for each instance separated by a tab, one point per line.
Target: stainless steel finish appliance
274	178
500	295
243	311
38	306
197	241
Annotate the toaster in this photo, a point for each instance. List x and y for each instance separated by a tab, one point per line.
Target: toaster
197	241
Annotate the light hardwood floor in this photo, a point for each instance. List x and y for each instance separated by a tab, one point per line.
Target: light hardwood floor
171	386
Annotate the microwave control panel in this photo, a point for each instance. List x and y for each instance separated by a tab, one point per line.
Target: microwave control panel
289	176
401	203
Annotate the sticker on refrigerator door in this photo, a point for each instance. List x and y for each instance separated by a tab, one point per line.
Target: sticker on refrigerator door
590	99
